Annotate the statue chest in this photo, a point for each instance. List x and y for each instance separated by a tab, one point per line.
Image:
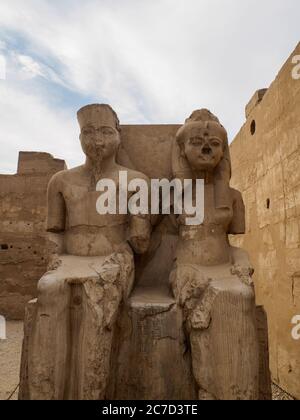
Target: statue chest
212	215
219	219
81	206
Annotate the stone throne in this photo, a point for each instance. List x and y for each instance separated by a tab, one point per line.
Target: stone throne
151	341
151	357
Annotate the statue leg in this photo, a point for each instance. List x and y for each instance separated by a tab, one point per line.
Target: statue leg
225	354
70	342
47	343
221	321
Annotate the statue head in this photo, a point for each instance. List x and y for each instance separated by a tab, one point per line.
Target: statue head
100	131
202	141
201	145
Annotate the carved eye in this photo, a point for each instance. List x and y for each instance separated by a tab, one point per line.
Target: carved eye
107	131
87	131
196	141
215	142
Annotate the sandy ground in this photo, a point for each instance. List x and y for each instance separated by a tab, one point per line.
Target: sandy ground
279	395
10	356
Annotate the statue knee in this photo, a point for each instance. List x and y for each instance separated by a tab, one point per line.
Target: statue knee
49	284
243	296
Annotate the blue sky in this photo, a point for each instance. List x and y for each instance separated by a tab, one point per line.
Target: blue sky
154	61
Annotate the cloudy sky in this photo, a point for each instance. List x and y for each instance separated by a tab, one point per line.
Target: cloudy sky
154	61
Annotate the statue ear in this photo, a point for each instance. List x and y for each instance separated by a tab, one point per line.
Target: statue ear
118	148
182	152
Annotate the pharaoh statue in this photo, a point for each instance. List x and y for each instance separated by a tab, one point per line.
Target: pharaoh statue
69	329
211	280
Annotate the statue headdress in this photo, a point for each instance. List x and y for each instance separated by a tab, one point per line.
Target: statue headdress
95	112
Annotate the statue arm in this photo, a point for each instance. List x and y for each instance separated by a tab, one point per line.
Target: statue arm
238	224
56	214
140	232
141	225
241	262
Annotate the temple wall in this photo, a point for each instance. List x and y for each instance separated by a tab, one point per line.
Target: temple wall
266	169
23	254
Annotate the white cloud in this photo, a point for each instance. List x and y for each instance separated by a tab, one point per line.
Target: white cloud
2	67
24	67
28	124
29	67
2	45
155	61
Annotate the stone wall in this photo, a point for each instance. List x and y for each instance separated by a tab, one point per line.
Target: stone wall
23	252
266	169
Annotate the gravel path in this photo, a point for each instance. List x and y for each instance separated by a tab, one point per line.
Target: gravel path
10	356
279	395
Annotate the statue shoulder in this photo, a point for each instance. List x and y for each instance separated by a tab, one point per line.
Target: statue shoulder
60	178
237	197
238	222
132	174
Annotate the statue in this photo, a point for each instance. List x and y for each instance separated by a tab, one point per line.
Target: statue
94	333
211	280
66	353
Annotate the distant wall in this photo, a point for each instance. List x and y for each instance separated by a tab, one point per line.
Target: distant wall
266	169
148	148
23	252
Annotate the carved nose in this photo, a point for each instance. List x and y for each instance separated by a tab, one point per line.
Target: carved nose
206	150
99	141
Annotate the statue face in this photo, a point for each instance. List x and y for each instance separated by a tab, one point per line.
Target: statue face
204	147
99	141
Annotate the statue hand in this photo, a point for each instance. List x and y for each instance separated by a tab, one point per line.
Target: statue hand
242	266
140	244
245	273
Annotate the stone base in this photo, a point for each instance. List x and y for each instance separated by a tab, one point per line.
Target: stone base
30	312
265	383
152	359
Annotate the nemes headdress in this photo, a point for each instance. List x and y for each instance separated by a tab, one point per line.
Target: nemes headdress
98	112
205	117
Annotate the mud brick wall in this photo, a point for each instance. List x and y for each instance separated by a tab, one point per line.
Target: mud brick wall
266	169
23	251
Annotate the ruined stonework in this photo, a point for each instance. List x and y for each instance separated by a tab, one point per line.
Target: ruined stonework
266	169
210	279
72	324
23	251
140	307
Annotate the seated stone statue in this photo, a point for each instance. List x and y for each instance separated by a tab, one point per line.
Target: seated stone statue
211	280
69	330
